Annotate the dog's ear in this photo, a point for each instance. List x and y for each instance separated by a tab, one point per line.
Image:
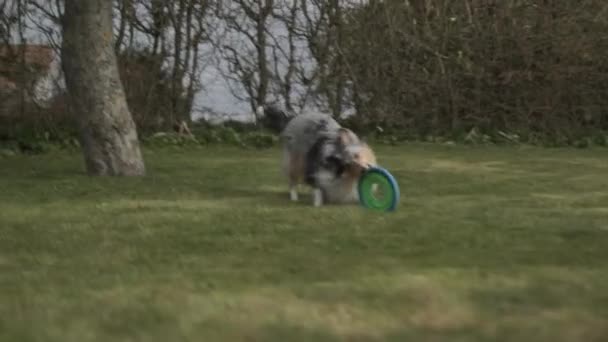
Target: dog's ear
347	137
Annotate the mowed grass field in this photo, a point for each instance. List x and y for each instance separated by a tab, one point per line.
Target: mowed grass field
488	244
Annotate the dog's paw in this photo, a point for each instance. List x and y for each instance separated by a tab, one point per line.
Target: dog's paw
293	195
317	197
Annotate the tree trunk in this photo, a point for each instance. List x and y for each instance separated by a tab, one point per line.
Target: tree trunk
262	60
107	130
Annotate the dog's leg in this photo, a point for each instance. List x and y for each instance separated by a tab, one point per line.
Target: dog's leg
293	167
374	187
317	197
293	191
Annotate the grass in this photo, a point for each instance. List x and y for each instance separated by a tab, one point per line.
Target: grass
499	244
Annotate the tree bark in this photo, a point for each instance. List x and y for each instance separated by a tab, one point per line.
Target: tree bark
107	130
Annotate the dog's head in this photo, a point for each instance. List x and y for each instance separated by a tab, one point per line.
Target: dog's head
355	153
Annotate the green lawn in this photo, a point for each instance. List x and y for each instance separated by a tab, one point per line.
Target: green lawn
488	244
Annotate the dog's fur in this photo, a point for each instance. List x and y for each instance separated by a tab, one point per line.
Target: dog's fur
320	153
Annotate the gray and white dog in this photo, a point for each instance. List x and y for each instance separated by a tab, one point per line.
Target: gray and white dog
320	153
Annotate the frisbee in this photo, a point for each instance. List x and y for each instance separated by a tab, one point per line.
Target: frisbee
378	189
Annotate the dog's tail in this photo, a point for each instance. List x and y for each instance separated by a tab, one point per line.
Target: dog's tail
273	118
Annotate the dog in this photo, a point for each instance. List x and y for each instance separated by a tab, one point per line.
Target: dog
320	153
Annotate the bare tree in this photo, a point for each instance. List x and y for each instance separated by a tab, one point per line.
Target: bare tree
190	30
108	133
45	18
8	17
176	31
288	57
247	53
198	34
125	10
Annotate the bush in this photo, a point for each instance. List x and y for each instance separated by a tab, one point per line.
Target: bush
208	134
170	139
533	68
260	140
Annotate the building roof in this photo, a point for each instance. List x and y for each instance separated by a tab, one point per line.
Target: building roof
37	58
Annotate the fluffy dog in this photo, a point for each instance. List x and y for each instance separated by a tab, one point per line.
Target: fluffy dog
320	153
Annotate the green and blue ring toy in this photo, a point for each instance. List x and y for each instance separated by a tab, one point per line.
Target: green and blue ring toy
378	189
